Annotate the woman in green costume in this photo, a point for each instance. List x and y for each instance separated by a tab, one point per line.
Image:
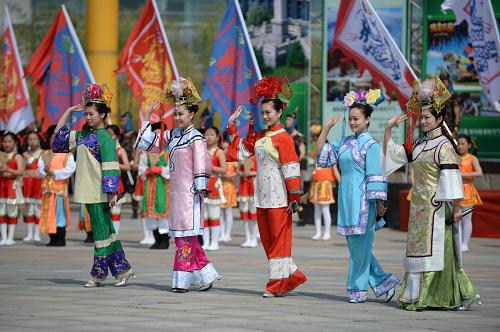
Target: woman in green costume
96	181
434	275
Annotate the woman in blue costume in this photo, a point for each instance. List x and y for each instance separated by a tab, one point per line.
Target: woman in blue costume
362	192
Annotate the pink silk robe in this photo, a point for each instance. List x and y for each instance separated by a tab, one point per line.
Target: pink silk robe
190	168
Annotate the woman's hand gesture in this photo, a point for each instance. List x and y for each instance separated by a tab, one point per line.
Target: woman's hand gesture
396	120
232	119
332	122
153	107
76	108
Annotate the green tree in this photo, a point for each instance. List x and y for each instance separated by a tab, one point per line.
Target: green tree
258	15
295	57
264	69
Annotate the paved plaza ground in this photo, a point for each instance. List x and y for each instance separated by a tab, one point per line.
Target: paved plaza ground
41	289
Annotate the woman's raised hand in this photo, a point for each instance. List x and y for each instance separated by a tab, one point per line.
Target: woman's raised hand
332	122
396	120
232	119
153	107
76	108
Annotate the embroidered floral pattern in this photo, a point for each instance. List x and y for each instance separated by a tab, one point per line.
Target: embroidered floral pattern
184	251
327	157
357	295
386	285
117	263
99	270
110	183
92	143
382	195
61	140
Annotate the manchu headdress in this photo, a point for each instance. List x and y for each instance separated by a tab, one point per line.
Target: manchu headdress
181	92
271	88
97	93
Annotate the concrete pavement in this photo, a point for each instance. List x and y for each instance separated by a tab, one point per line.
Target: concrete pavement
41	289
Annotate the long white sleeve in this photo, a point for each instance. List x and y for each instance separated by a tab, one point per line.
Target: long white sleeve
143	166
450	185
41	167
394	159
59	174
148	140
67	171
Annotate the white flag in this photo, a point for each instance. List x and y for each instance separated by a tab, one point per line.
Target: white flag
361	34
485	41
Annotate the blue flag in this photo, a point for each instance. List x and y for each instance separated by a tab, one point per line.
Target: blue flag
232	71
60	71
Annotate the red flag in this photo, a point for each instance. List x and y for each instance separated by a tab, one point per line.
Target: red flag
15	108
361	35
148	60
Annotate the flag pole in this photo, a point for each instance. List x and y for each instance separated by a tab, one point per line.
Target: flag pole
247	39
77	43
164	34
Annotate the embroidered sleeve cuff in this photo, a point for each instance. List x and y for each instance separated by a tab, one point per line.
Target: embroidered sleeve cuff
376	195
200	181
147	139
327	158
110	184
61	140
290	170
450	185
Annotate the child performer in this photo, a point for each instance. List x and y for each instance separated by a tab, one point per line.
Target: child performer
321	195
190	168
216	196
137	196
114	131
153	168
32	189
56	169
246	192
470	168
96	181
11	195
230	196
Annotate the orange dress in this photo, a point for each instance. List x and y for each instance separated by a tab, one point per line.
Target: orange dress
471	196
322	186
229	187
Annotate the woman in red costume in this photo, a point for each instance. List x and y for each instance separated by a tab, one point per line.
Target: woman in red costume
277	183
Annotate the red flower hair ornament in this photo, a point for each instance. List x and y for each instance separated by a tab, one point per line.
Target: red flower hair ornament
271	88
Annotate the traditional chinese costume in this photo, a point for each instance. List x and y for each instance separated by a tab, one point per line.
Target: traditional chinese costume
55	216
32	192
97	175
433	263
358	159
277	184
11	196
190	168
153	169
248	211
